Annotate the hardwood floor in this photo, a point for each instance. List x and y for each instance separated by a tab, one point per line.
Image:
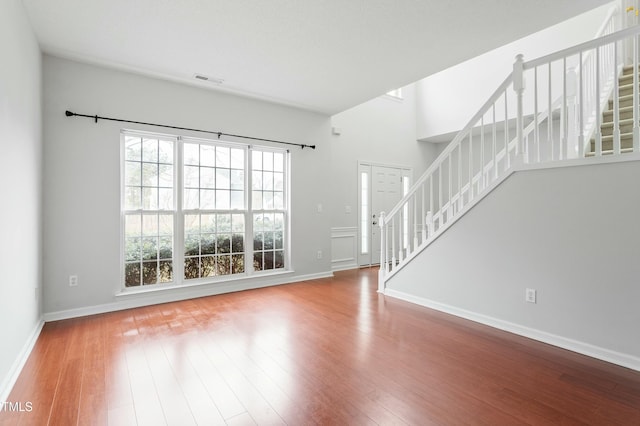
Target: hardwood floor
327	352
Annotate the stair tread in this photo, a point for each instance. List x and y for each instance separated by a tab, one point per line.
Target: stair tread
609	152
610	137
620	109
606	130
622	122
624	97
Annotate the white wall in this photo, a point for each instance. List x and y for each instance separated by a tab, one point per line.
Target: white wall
82	180
20	188
570	233
447	100
381	131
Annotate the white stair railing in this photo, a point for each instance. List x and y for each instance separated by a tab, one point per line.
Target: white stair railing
551	118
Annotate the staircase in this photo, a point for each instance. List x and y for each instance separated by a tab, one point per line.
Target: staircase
625	118
537	118
530	232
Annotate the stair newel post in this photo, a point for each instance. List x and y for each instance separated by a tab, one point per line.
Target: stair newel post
482	182
384	263
518	87
393	244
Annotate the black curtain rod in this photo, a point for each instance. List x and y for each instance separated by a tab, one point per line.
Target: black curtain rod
97	117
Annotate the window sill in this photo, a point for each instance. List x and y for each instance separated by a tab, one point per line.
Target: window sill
131	291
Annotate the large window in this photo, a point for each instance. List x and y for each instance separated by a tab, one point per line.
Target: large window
198	210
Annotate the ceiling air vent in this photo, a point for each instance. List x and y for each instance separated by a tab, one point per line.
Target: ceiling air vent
213	80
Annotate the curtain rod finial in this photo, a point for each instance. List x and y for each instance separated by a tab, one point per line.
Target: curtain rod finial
68	113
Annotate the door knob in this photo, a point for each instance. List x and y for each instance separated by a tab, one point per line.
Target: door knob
374	222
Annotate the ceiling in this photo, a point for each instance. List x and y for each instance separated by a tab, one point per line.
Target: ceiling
323	55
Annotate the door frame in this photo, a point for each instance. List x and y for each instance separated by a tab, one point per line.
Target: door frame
405	172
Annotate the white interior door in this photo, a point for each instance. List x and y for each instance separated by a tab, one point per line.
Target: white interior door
380	189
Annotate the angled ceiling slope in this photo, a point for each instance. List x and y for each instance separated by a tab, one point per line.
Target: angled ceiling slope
325	56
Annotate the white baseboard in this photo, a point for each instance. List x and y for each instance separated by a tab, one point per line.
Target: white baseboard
12	376
344	267
176	294
624	360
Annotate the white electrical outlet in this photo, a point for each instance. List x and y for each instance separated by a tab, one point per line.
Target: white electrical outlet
347	209
73	280
530	295
319	254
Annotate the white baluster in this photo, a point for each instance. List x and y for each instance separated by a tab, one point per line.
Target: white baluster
507	160
580	109
429	222
430	195
424	196
636	114
450	184
564	134
414	219
482	183
518	87
494	143
460	204
401	240
550	138
536	129
440	203
598	129
616	105
572	122
470	167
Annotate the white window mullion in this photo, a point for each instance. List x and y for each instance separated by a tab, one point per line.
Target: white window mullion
178	222
287	208
248	215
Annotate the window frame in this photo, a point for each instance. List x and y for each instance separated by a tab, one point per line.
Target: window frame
180	211
142	212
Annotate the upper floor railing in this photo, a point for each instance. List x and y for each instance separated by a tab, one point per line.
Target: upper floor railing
547	110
